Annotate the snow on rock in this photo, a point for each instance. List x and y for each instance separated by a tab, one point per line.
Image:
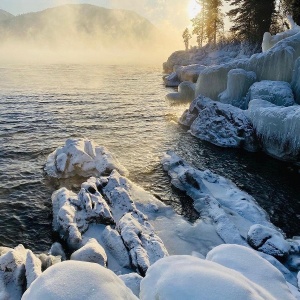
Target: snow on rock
71	280
92	251
247	262
238	84
4	250
277	127
222	125
57	250
187	277
277	92
171	80
190	72
48	260
186	92
19	267
132	281
81	157
268	240
231	210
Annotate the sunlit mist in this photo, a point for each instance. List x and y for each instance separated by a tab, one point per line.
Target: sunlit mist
193	9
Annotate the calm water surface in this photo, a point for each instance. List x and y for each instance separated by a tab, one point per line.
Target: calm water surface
124	109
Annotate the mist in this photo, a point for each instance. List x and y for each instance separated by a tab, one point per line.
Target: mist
85	34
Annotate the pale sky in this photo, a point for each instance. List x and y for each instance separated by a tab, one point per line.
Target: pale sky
162	13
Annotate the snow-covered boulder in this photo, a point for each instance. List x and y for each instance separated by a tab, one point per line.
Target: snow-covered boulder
57	250
268	240
91	252
171	80
71	280
278	128
190	72
48	260
81	157
186	92
252	266
238	84
277	92
187	277
231	210
223	125
132	281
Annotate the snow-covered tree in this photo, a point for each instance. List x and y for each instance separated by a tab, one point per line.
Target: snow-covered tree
186	38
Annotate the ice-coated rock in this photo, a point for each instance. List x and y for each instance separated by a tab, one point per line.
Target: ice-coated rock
238	84
48	260
144	246
114	242
171	80
231	210
276	92
269	41
4	250
223	125
186	92
190	72
293	260
247	262
132	281
81	157
92	252
278	128
268	240
57	250
187	277
296	81
71	280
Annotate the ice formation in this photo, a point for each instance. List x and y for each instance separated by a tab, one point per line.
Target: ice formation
277	127
188	277
230	209
268	240
276	92
81	157
71	280
296	81
189	73
132	281
238	84
186	92
221	124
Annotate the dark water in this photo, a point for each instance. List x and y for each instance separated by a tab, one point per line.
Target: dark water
122	108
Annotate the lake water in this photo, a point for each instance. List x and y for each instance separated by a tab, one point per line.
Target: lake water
124	109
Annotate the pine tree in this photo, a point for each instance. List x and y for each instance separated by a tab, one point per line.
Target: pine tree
186	38
251	18
292	7
198	23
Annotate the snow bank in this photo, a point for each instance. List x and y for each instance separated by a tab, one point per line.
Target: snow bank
220	124
278	128
238	84
252	266
188	277
78	280
81	157
231	210
277	92
186	92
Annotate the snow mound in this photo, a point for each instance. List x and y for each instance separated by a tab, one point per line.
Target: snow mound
277	92
71	280
221	124
187	277
277	127
81	157
251	265
238	84
132	281
268	240
186	92
231	210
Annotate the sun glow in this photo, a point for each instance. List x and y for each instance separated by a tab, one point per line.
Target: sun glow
193	9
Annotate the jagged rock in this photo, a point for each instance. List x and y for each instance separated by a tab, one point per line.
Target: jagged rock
267	240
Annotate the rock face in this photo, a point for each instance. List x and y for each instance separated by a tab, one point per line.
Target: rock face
220	124
268	240
278	129
71	280
186	92
238	84
276	92
81	157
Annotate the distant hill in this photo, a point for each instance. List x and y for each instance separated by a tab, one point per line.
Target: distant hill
71	24
4	15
